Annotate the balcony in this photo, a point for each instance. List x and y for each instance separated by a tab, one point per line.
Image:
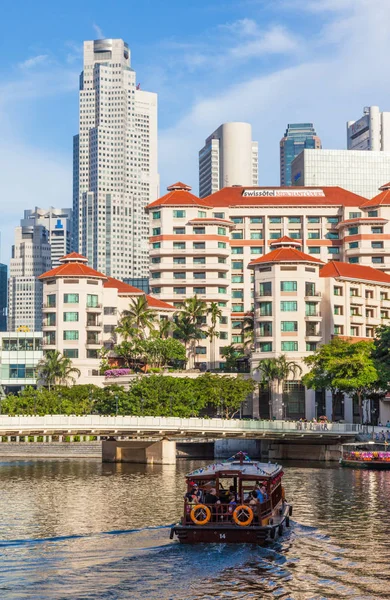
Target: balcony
93	343
312	295
48	343
356	300
313	336
93	325
314	316
49	307
46	325
97	308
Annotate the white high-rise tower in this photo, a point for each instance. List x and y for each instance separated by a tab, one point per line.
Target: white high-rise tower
115	162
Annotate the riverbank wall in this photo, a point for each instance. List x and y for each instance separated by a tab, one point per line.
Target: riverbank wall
51	450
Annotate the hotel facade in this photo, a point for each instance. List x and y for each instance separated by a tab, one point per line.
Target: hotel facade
204	247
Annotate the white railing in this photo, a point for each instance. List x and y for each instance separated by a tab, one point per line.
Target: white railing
173	425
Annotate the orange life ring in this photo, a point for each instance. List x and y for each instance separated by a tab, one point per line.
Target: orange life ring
200	510
239	512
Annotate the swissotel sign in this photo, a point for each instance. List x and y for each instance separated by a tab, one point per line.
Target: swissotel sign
281	193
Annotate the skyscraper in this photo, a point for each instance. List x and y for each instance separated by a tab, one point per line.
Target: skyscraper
59	225
370	132
31	257
229	157
3	297
115	162
297	137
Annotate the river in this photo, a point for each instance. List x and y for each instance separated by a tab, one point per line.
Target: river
82	530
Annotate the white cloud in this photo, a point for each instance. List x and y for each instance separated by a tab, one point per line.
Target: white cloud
277	40
241	27
34	61
99	32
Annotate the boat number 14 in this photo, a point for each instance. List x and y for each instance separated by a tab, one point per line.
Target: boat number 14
222	536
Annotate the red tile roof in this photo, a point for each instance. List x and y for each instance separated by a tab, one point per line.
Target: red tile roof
156	303
358	220
178	197
74	256
382	199
72	269
285	240
179	186
121	286
333	196
386	186
352	271
285	255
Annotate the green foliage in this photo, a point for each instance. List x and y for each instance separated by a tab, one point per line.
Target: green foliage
155	352
231	354
138	317
55	369
381	355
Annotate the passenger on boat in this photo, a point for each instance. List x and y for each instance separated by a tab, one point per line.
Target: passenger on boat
252	498
211	497
232	492
194	495
262	493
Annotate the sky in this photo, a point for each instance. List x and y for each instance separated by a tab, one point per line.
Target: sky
267	62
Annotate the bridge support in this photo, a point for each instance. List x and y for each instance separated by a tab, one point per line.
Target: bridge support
225	448
286	451
162	452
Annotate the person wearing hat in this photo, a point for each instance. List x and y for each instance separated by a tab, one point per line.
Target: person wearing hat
194	495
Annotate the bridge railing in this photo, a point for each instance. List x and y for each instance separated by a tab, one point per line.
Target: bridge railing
101	422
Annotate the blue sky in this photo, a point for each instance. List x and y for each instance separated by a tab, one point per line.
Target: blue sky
268	62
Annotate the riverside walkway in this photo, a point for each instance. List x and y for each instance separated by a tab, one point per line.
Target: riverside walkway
173	428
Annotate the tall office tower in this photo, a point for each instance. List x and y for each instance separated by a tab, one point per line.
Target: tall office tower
297	137
31	256
3	297
115	162
59	225
229	157
370	132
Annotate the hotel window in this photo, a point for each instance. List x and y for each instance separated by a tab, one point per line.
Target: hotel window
200	245
265	288
70	353
370	313
71	316
179	245
290	306
221	304
338	310
221	231
332	235
275	219
353	230
289	346
237	278
156	231
202	214
51	319
315	250
237	308
256	220
237	220
354	330
156	245
295	234
376	229
313	234
155	261
237	235
377	245
384	314
288	286
369	294
156	274
179	230
199	230
339	329
237	339
221	260
265	346
237	294
179	214
294	219
71	335
276	234
156	290
354	292
199	290
354	215
238	250
369	332
353	259
377	260
311	309
223	320
91	353
372	213
265	309
222	290
313	219
51	300
288	326
265	329
311	346
222	275
179	290
237	265
353	245
200	275
179	275
201	350
179	260
256	235
156	215
333	219
199	260
333	250
256	250
219	215
237	324
384	296
223	335
355	311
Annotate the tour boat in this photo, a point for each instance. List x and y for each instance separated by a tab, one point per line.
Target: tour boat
233	518
368	455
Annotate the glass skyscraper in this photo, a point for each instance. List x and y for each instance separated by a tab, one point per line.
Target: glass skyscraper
298	137
3	297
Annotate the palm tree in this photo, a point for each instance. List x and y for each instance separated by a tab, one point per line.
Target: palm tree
274	372
55	368
247	333
164	329
269	372
139	316
188	332
215	315
194	309
231	354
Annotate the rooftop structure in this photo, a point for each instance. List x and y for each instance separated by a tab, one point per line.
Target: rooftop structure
297	137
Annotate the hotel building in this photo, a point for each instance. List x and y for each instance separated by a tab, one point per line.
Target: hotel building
370	132
59	225
81	311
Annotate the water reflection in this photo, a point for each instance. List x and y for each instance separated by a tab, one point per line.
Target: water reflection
82	529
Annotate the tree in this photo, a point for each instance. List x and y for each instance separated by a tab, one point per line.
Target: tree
215	316
268	370
163	330
188	332
54	368
274	372
231	354
381	355
343	366
194	309
138	316
247	333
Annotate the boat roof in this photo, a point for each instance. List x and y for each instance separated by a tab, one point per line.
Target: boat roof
241	466
369	443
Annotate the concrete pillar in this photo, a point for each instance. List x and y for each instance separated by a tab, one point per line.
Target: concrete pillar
71	438
255	402
50	439
35	438
328	402
18	438
98	438
225	448
162	452
310	404
348	409
60	438
8	438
